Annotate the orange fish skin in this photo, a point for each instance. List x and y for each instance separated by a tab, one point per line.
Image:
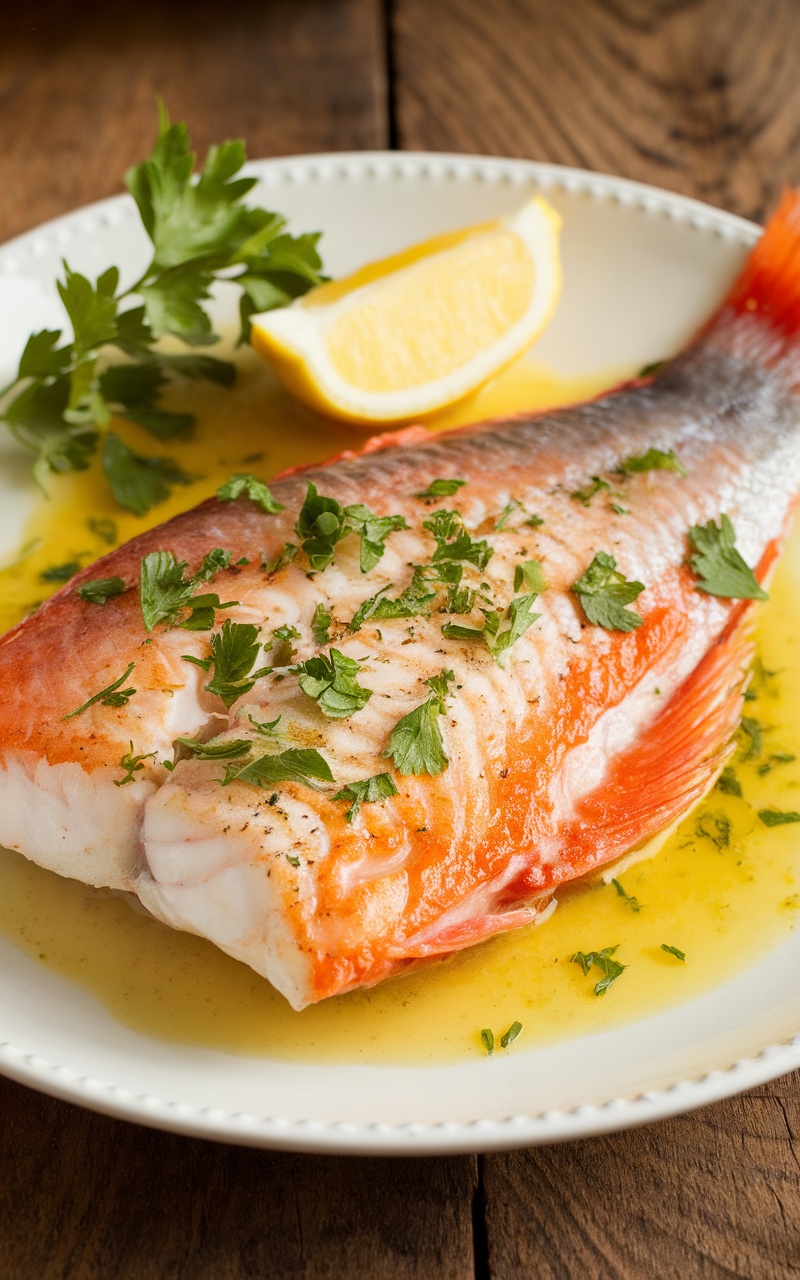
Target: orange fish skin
554	764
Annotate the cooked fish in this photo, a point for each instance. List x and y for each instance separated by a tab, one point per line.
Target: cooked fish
437	679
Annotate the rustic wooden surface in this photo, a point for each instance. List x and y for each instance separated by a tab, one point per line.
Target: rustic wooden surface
701	96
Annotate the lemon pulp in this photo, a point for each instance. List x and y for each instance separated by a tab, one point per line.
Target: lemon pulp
722	891
429	322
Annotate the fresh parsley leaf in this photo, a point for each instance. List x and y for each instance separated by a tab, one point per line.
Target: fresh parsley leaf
368	791
111	696
610	969
320	525
510	1035
212	564
633	903
132	764
286	556
414	602
777	818
441	489
321	624
373	531
487	1036
217	748
603	593
303	765
252	488
415	743
584	496
453	542
719	567
234	651
652	460
163	588
204	610
138	482
673	951
330	681
42	357
530	575
100	589
728	783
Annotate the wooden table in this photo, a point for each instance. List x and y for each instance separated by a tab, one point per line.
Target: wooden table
702	96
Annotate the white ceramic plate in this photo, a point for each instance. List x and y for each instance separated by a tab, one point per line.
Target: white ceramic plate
642	269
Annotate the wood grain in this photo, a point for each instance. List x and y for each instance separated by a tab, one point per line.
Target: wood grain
83	1197
78	87
713	1194
701	96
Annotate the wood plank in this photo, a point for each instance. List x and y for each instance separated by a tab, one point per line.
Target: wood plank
713	1194
702	97
78	86
84	1197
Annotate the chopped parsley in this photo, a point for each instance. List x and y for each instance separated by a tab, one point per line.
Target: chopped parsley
320	624
303	765
165	591
441	489
415	743
673	951
60	572
598	485
284	557
414	602
217	748
720	569
511	506
368	791
373	531
105	530
652	460
728	783
530	575
281	645
776	757
101	589
249	486
111	696
323	522
751	738
137	481
715	827
453	542
132	764
610	969
330	681
233	653
603	593
777	818
648	370
487	1036
510	1035
633	903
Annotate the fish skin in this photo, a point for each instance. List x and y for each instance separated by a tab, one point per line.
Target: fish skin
558	765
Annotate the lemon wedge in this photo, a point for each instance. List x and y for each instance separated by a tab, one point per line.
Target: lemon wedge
420	330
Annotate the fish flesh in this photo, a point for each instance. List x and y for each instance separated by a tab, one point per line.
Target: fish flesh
384	709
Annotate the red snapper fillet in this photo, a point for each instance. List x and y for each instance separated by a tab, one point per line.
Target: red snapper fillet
403	739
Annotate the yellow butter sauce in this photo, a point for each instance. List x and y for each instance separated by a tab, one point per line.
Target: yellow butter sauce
723	890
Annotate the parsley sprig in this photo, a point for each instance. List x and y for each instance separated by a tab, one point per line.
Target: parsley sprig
367	791
415	744
234	650
330	679
720	569
61	402
603	592
323	523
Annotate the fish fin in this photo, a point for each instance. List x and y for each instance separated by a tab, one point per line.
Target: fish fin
670	767
768	289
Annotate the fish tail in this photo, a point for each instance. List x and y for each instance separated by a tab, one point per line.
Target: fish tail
766	296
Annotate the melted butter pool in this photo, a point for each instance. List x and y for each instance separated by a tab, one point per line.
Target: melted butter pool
723	890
